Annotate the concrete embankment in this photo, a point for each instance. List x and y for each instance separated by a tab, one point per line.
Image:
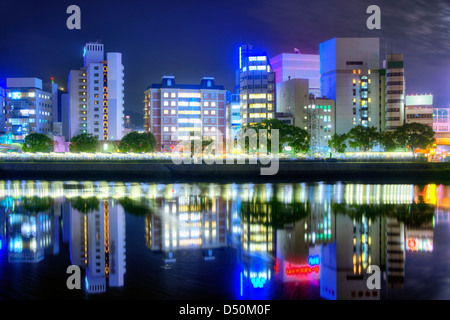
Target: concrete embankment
396	172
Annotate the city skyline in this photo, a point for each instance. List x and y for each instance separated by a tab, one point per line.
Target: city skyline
211	44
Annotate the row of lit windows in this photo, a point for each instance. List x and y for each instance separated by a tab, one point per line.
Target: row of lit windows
189	95
257	96
257	58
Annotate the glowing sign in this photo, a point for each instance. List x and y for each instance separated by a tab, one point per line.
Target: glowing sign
240	57
16	95
420	244
313	260
301	270
258	282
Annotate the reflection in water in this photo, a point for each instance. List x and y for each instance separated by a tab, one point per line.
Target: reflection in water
319	236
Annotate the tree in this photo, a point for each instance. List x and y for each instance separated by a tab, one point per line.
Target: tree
138	142
269	125
362	137
297	138
84	142
415	135
388	140
37	142
337	142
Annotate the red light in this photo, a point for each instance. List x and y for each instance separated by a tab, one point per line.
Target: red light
412	244
296	270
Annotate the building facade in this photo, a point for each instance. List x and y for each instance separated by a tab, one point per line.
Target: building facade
28	108
256	82
96	95
441	119
288	66
2	111
393	99
177	112
348	76
309	112
233	117
419	109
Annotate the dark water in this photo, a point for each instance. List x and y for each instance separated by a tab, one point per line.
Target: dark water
233	241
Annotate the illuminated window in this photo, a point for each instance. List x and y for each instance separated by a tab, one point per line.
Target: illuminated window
166	94
213	112
173	112
206	112
213	104
257	105
173	95
166	129
206	104
166	103
189	95
257	96
270	97
173	103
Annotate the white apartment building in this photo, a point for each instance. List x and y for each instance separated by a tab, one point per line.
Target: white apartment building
96	95
349	76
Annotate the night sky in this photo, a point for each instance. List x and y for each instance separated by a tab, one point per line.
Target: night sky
190	39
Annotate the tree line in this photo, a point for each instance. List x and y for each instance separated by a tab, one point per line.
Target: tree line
86	142
408	136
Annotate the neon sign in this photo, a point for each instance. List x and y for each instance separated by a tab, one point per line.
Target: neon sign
419	244
16	95
258	282
301	270
313	260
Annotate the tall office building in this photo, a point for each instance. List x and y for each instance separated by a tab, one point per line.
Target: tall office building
289	66
28	108
177	112
349	75
419	109
96	95
392	92
233	117
2	111
256	81
311	113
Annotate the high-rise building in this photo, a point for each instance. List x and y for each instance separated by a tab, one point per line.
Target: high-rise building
2	111
96	95
233	115
289	66
28	108
349	75
392	92
98	245
256	81
313	114
177	112
419	108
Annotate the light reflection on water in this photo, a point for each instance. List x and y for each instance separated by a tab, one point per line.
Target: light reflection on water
232	241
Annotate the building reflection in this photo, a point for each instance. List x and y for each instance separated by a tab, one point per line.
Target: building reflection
327	235
98	243
186	218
